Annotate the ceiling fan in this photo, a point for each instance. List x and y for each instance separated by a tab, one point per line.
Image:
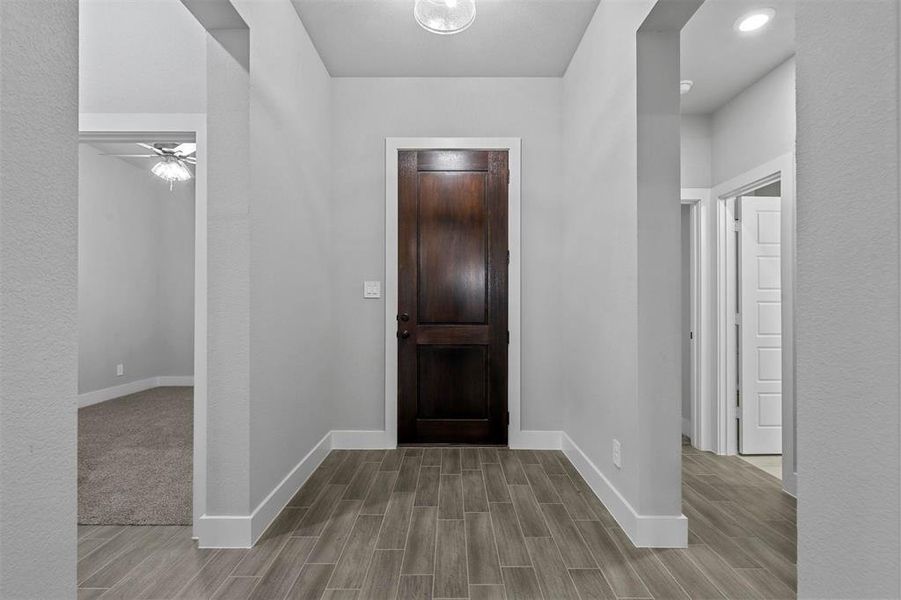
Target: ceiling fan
173	160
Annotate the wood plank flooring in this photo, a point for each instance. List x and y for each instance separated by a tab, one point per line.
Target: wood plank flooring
487	523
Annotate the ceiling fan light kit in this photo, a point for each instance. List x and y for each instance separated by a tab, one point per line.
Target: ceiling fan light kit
171	170
445	17
173	161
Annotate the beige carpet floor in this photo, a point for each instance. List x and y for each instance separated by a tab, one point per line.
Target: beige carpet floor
135	458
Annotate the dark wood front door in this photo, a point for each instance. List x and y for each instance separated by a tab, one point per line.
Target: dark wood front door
452	296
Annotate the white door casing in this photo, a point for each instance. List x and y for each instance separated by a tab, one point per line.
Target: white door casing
761	326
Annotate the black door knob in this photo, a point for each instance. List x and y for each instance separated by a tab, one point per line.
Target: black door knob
403	317
403	334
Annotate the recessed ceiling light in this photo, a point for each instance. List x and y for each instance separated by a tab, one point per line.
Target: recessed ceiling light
755	20
685	86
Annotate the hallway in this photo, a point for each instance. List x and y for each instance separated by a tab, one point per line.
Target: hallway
508	524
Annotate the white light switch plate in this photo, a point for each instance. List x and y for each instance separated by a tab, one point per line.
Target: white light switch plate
372	289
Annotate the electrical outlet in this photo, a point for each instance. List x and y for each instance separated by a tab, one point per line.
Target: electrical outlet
617	454
120	370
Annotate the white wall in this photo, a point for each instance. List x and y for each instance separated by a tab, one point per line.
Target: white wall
38	297
756	126
600	267
696	149
135	273
291	328
753	128
366	111
140	56
848	388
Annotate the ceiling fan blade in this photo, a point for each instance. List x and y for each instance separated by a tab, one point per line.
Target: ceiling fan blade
153	148
131	155
185	149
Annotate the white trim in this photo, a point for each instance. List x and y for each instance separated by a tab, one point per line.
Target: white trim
513	146
645	531
362	440
243	531
783	169
534	439
181	123
702	426
132	387
175	381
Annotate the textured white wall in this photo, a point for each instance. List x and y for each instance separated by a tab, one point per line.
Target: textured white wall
756	126
291	331
140	56
368	110
135	273
228	284
848	300
38	297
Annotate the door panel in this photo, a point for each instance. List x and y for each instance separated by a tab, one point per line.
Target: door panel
452	296
761	326
453	382
453	247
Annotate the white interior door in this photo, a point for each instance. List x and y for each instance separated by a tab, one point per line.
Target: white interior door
760	429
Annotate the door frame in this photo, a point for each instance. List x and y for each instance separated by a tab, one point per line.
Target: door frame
781	169
514	291
700	426
136	124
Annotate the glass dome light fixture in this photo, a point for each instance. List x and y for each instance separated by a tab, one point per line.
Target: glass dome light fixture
445	17
171	169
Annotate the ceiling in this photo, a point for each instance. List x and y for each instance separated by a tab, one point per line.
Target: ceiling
722	62
509	38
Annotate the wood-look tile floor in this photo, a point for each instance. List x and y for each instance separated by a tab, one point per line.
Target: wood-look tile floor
478	523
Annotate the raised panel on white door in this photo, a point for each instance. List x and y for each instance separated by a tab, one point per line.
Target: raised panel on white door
760	292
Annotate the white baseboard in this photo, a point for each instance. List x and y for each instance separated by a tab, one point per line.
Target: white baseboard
242	531
362	440
132	387
645	531
353	439
535	440
175	381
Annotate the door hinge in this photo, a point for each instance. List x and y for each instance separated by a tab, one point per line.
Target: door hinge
508	336
507	418
736	225
508	176
508	257
737	319
691	335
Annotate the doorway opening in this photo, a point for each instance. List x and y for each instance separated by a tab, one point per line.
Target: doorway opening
136	319
754	274
511	147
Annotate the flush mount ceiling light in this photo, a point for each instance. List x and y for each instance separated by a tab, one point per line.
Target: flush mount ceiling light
685	86
755	20
445	17
172	170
